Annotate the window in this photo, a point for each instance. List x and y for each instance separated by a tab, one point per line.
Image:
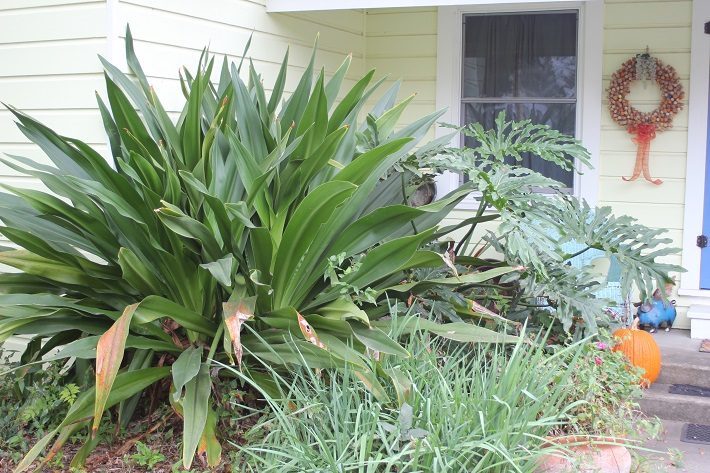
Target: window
526	64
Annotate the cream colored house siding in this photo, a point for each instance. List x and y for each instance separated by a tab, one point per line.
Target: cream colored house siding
173	34
401	44
663	26
48	68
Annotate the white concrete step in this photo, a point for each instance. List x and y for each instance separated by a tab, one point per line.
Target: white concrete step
685	372
657	401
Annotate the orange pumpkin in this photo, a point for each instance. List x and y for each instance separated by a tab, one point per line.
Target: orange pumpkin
641	350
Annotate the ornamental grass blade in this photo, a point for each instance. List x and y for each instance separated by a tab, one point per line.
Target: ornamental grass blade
34	452
235	314
195	406
109	354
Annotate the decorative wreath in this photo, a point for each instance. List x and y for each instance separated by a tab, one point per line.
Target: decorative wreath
644	125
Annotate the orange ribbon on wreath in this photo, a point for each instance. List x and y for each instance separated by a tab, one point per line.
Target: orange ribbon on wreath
643	134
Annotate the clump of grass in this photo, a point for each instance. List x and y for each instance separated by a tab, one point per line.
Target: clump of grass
480	408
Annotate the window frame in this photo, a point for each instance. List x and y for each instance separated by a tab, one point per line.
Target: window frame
589	80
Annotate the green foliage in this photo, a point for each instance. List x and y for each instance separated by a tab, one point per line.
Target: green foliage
146	457
460	408
610	388
212	238
30	410
534	226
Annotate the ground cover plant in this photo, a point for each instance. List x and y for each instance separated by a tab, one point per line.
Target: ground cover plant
248	228
476	408
607	389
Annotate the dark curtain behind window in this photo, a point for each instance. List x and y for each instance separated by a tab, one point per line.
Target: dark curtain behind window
525	64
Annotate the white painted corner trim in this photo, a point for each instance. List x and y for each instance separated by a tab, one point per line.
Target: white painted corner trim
697	143
589	79
315	5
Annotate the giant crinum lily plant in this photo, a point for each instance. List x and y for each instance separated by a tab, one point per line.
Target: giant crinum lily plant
253	227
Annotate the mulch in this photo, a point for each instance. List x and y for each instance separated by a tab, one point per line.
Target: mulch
115	454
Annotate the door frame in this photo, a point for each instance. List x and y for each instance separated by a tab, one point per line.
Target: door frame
697	150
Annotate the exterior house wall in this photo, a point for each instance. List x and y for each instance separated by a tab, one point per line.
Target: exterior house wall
402	42
665	27
48	68
225	26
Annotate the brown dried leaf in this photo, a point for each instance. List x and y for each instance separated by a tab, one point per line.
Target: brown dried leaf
109	355
309	332
235	314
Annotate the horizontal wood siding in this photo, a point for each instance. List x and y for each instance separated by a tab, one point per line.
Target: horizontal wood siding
663	26
225	26
401	45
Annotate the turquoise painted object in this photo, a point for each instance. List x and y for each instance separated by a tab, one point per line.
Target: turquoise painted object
657	313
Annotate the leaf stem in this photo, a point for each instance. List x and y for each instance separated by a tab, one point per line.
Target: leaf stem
576	253
467	238
215	341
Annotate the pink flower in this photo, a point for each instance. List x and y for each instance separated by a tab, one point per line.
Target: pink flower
598	361
602	346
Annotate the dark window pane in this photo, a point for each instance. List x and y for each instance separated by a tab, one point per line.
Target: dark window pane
560	116
520	55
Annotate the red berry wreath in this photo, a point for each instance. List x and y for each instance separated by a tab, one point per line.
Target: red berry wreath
644	125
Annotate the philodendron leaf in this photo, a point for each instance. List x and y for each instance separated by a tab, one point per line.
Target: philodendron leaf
185	368
195	406
235	314
109	354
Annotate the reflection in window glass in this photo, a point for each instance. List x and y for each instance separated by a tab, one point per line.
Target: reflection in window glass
525	64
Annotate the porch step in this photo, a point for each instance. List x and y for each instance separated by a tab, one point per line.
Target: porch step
657	401
687	371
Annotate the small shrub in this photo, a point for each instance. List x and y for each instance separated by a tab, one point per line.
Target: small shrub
609	388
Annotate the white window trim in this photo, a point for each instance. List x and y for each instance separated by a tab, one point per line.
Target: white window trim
589	81
696	158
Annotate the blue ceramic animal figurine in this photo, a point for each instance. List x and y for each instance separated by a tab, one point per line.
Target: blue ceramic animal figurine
657	313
